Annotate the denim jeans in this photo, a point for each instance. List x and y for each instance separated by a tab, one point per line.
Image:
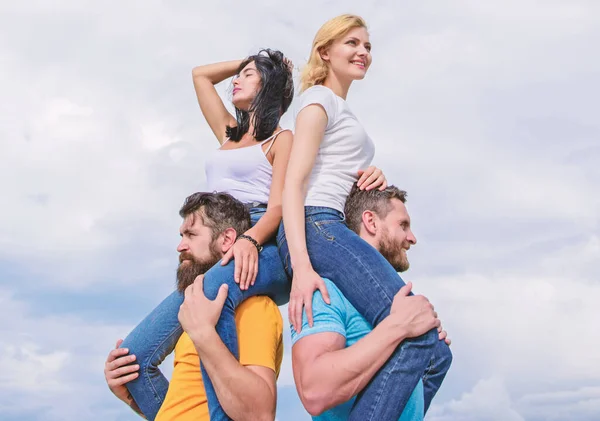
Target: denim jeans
155	337
370	282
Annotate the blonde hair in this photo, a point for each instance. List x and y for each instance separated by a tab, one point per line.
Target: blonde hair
316	70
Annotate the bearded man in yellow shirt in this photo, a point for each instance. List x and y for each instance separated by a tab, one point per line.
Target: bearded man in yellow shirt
246	388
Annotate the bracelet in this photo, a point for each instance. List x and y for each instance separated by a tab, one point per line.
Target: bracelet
252	240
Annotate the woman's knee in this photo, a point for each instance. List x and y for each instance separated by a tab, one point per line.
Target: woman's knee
217	276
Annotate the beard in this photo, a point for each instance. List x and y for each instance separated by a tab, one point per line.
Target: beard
190	267
393	252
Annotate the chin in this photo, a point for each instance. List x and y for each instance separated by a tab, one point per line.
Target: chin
241	103
401	265
358	74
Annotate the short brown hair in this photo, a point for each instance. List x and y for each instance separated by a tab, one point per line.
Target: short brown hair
374	200
218	211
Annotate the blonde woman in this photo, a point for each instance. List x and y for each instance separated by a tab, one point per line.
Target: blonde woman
329	151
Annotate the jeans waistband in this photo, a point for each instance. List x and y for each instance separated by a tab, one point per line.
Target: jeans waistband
255	205
312	210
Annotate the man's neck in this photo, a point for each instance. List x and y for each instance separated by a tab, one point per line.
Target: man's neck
369	239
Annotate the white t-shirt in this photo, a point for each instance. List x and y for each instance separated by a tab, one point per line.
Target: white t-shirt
345	149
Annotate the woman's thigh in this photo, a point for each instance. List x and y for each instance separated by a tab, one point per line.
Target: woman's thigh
363	275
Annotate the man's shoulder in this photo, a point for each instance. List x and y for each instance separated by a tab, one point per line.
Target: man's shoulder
341	306
260	333
336	297
327	318
258	308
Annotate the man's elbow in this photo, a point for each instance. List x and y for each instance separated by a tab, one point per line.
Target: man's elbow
315	401
264	414
262	408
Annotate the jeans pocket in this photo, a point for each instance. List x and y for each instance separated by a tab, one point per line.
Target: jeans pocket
284	251
326	228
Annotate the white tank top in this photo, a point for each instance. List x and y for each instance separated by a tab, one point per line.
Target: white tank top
245	173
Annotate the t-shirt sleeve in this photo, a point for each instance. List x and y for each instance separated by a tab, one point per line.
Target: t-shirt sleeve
260	333
326	317
322	96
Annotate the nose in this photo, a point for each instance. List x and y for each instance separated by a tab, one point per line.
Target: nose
411	238
236	81
182	246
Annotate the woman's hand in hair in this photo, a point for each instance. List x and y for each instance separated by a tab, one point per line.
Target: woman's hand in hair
371	178
245	256
304	284
289	64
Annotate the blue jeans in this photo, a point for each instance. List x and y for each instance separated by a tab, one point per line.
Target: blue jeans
370	282
155	337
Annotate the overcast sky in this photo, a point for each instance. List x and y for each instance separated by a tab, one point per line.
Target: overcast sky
486	112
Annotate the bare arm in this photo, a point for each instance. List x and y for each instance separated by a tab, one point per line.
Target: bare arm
205	78
328	374
268	224
246	393
310	129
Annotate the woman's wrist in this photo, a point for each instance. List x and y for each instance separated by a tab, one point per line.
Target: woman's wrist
248	238
302	263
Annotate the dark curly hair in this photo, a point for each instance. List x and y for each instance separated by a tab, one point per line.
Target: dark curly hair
272	100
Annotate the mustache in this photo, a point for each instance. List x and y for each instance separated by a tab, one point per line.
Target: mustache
185	256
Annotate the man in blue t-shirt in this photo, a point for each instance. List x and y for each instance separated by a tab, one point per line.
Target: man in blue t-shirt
336	358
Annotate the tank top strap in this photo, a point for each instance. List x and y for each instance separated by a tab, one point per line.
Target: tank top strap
272	139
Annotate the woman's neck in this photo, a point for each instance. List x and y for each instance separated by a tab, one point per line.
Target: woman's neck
250	131
339	87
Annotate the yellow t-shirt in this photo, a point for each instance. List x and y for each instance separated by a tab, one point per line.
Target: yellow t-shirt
260	338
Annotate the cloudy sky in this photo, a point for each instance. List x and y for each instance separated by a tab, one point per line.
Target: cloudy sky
485	112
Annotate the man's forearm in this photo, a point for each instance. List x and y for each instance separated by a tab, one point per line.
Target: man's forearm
243	394
336	376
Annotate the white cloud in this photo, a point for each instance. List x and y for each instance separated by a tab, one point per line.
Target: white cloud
26	369
488	401
581	404
491	400
46	360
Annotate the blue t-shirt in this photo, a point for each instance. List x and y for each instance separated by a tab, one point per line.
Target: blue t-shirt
341	317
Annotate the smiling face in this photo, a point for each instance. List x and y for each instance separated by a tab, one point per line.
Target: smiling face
349	57
245	86
395	236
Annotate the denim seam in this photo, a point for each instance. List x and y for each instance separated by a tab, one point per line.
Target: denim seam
284	258
321	230
147	375
367	270
429	368
384	384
